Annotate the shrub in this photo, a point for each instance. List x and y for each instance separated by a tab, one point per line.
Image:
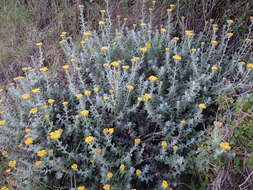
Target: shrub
124	112
216	165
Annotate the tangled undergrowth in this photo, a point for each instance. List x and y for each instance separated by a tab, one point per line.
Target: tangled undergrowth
126	110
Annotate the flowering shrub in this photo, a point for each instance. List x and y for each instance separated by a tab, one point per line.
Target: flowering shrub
125	110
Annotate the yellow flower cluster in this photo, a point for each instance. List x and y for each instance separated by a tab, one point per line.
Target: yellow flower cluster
177	57
165	184
108	130
225	146
74	166
2	122
202	106
152	78
130	87
12	163
89	139
56	134
42	153
109	175
84	112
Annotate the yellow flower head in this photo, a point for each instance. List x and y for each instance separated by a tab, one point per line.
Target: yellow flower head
43	69
189	32
152	78
66	67
84	112
104	48
225	146
62	41
202	106
96	89
163	30
81	188
214	68
143	24
193	49
106	187
79	96
36	90
2	122
148	45
103	11
33	110
164	143
144	49
214	42
98	150
81	6
56	134
230	21
165	184
74	166
87	92
38	163
151	9
250	65
89	139
26	96
106	98
50	101
177	57
105	130
12	163
27	130
28	141
25	68
122	167
65	103
138	172
147	96
183	122
42	153
125	67
4	188
18	78
176	38
116	63
135	59
5	153
7	171
39	44
63	34
111	130
130	87
101	22
229	34
175	147
82	42
109	175
106	65
137	141
87	34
